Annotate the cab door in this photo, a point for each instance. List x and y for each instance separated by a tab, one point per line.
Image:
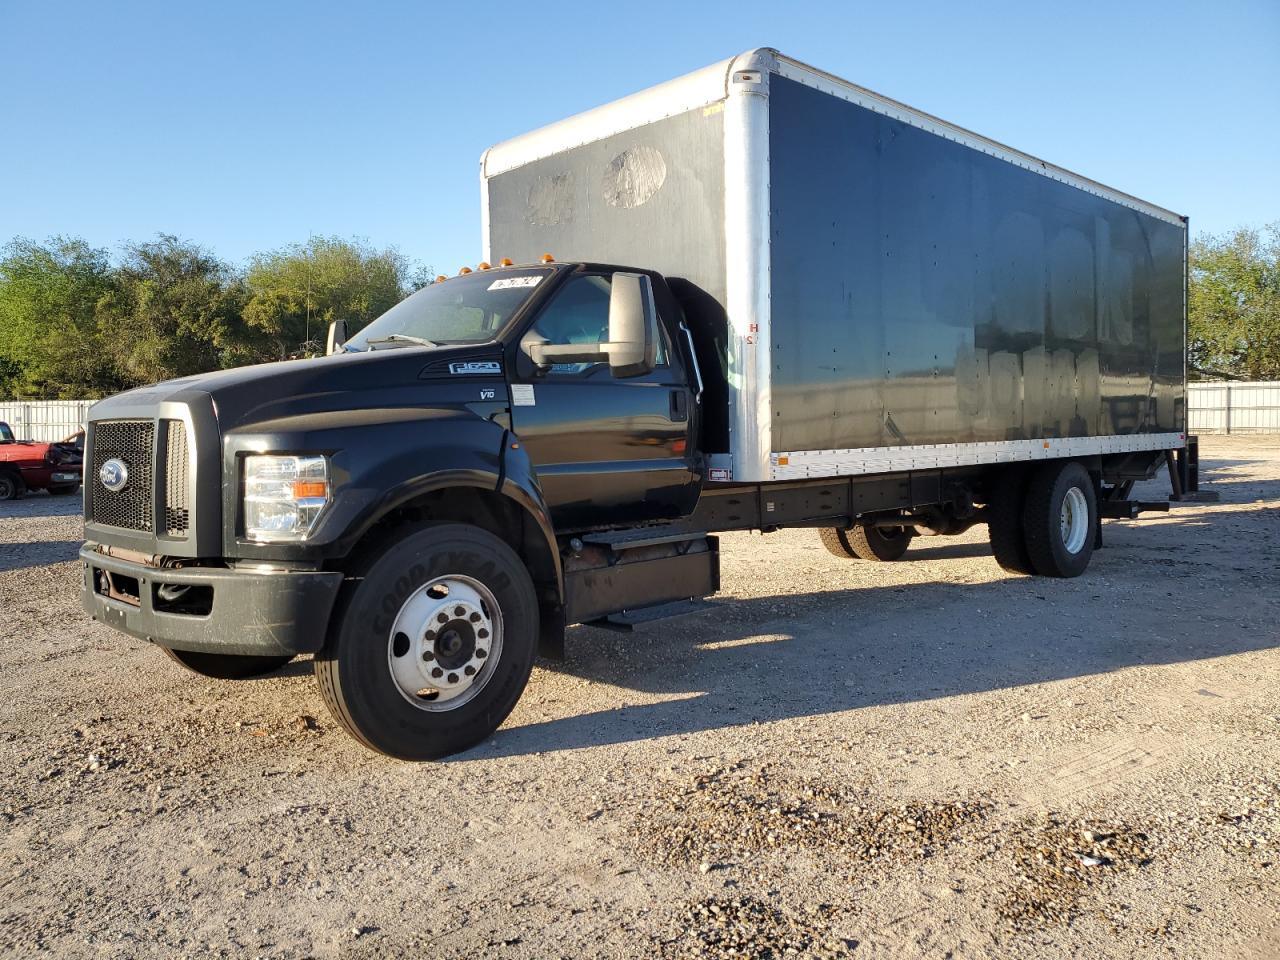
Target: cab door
607	450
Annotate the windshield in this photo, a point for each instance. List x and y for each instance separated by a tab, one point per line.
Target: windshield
468	309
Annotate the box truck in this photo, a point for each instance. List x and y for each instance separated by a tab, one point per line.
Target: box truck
751	298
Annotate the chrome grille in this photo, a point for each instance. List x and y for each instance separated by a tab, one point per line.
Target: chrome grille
177	512
130	441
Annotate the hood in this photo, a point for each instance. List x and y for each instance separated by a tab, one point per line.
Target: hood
271	390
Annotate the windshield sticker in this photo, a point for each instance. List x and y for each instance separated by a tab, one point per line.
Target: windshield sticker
512	283
522	395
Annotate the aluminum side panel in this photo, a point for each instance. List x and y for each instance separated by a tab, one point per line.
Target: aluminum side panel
652	197
924	292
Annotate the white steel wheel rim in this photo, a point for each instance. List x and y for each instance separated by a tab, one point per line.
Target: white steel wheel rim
1073	521
445	643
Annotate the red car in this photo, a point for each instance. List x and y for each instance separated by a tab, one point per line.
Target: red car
56	467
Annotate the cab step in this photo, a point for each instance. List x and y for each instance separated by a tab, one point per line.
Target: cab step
627	620
643	537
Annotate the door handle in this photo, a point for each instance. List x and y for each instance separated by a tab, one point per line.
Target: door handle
679	406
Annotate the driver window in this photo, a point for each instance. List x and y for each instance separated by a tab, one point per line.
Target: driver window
580	314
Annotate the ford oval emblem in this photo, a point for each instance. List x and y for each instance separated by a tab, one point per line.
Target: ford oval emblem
114	474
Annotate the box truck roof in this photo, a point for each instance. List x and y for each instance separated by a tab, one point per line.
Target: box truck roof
710	86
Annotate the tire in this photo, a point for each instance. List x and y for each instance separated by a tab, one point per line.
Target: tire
225	666
394	668
836	540
11	485
867	543
1005	505
64	489
1060	519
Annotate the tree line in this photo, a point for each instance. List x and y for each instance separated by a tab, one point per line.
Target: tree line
76	323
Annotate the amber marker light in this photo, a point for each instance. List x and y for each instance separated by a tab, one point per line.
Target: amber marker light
483	265
464	271
548	258
310	488
441	279
505	262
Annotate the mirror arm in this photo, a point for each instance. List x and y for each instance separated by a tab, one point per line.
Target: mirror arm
545	354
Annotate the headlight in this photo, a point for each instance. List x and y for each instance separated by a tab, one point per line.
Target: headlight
284	496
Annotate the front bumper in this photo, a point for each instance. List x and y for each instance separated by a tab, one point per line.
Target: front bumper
250	612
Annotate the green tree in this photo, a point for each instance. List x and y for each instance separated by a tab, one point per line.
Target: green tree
1234	315
50	346
175	310
294	293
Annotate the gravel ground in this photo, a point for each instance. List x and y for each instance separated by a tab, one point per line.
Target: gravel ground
921	759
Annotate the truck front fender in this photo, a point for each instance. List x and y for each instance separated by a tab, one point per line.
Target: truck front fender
381	461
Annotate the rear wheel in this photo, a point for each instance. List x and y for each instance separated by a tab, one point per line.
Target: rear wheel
867	543
225	666
11	485
1060	518
433	646
1005	505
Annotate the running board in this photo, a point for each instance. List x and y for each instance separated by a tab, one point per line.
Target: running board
644	537
628	620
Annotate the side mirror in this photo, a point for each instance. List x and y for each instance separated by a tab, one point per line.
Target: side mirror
337	337
633	325
632	347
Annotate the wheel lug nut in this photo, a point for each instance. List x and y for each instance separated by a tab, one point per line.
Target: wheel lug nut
428	655
474	618
459	611
437	673
443	618
481	653
453	678
469	670
482	634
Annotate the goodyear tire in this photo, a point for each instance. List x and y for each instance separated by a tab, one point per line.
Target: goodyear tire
432	644
1006	504
225	666
867	543
1060	518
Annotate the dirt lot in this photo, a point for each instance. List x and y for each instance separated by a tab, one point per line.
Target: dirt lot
922	759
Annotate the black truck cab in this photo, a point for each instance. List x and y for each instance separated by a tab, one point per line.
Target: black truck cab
241	518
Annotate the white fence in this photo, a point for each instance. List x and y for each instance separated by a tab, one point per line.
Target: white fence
1212	407
44	420
1233	407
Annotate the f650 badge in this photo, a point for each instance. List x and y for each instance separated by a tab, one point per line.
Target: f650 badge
467	367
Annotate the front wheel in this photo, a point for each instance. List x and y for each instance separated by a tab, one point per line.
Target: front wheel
11	485
433	646
225	666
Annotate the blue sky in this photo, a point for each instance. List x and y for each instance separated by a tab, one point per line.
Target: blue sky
247	126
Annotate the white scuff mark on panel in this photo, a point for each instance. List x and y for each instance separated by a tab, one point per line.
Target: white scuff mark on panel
634	176
551	200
